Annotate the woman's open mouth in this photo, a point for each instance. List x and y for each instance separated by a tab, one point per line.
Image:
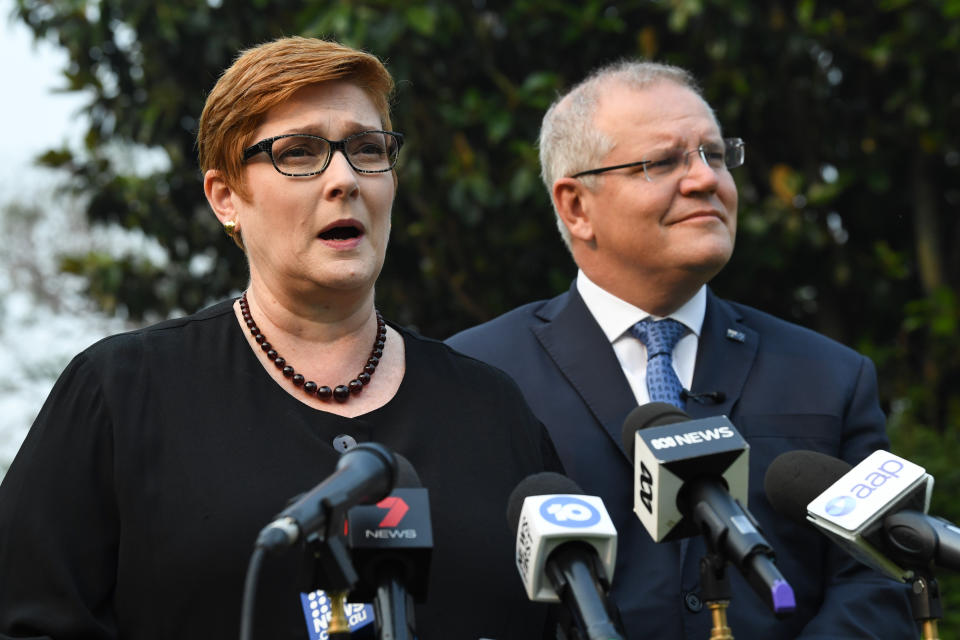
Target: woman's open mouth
342	233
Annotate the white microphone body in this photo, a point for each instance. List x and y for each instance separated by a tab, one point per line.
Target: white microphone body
852	510
549	521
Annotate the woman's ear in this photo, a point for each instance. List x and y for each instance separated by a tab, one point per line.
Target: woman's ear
220	196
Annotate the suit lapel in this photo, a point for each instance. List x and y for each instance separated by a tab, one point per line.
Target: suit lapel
725	354
579	348
574	341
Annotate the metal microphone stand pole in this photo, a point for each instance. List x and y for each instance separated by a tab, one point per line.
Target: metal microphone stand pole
393	606
715	588
925	602
328	566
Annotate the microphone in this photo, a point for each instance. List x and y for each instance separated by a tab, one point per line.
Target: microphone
364	474
918	539
391	545
715	397
690	478
875	511
566	551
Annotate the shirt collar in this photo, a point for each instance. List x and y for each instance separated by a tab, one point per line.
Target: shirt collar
616	316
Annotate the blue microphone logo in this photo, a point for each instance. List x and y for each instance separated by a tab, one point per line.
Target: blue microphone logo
569	511
840	506
317	610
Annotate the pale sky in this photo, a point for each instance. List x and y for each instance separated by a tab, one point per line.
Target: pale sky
34	117
36	340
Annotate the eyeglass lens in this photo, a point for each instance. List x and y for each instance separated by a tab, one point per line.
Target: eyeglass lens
371	151
663	163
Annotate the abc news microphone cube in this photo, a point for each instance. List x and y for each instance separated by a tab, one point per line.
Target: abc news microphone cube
548	521
852	509
666	457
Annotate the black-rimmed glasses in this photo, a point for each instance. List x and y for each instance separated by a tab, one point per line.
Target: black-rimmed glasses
302	154
676	162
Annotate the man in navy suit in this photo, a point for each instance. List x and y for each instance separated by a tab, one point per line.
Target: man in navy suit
639	176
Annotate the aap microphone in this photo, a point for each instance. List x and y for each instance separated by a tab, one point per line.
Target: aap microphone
364	474
566	551
691	478
876	511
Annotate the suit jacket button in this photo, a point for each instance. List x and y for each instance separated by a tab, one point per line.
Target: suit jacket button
693	602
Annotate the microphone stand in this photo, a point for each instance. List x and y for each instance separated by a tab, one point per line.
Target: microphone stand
327	565
393	607
582	587
339	627
715	587
925	602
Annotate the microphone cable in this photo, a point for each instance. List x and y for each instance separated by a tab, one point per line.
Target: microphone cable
250	592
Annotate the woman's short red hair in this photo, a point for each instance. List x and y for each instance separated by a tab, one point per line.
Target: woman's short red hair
267	75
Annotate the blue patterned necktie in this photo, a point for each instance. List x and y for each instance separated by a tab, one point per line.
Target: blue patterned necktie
660	337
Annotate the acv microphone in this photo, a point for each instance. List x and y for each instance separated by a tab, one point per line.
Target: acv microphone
566	551
391	543
364	474
691	478
876	510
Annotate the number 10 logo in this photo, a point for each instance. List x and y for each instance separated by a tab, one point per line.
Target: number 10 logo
569	511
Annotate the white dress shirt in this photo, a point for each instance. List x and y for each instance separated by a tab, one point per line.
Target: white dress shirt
616	316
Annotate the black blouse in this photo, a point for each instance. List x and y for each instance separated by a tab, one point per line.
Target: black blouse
132	507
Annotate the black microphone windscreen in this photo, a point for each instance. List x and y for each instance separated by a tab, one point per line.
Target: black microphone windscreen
652	414
407	477
366	453
795	478
539	484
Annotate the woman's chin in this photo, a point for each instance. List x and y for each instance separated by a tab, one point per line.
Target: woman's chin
344	276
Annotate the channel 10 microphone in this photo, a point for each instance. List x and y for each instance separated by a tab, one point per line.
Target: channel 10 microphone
691	478
566	551
876	510
365	474
391	544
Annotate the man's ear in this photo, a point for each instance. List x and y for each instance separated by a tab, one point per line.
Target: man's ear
570	198
220	196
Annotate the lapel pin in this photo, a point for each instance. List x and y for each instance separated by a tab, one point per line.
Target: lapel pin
737	336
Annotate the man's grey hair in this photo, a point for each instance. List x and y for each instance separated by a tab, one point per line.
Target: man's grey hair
569	139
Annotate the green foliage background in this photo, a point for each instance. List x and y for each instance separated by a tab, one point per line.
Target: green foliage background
848	217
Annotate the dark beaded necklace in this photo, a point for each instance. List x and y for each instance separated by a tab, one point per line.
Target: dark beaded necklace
340	393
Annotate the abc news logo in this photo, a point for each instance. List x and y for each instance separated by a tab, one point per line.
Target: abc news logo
646	487
677	440
862	490
692	437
